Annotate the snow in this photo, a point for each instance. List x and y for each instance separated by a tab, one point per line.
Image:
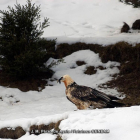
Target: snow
102	76
90	21
45	107
123	124
71	21
131	38
52	99
25	123
40	137
27	136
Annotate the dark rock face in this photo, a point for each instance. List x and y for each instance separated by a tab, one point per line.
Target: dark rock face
125	28
136	25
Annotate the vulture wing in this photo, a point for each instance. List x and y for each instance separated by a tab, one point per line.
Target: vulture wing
88	94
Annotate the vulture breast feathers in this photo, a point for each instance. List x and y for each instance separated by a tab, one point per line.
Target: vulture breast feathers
86	97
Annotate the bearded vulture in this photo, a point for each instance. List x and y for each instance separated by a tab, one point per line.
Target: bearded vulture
86	97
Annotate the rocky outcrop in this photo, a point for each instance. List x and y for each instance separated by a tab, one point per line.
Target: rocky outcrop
136	25
125	28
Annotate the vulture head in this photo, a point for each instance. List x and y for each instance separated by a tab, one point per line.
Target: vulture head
66	79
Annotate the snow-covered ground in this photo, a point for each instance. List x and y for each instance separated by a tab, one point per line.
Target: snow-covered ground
52	99
90	21
36	107
121	123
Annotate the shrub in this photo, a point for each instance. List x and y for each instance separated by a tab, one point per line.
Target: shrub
22	50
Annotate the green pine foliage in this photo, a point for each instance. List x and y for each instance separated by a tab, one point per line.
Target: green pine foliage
22	50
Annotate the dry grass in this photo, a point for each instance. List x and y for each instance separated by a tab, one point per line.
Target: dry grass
126	54
90	70
66	49
101	68
128	80
38	129
34	129
129	84
59	137
10	133
80	63
32	83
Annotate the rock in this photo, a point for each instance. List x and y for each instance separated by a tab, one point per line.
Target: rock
136	25
125	28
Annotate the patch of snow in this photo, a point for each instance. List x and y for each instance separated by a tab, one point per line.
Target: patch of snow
131	38
27	136
39	137
123	124
25	123
52	99
77	73
89	21
71	21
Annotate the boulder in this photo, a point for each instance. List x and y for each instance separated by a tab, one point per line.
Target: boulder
125	28
136	25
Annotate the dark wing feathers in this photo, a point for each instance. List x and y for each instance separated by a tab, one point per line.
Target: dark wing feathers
86	93
69	99
101	95
81	92
113	97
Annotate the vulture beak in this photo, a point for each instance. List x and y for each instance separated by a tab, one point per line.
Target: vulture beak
59	80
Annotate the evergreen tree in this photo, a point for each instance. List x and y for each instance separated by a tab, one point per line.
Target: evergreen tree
22	50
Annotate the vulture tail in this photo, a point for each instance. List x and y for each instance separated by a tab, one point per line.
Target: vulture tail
113	97
113	104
